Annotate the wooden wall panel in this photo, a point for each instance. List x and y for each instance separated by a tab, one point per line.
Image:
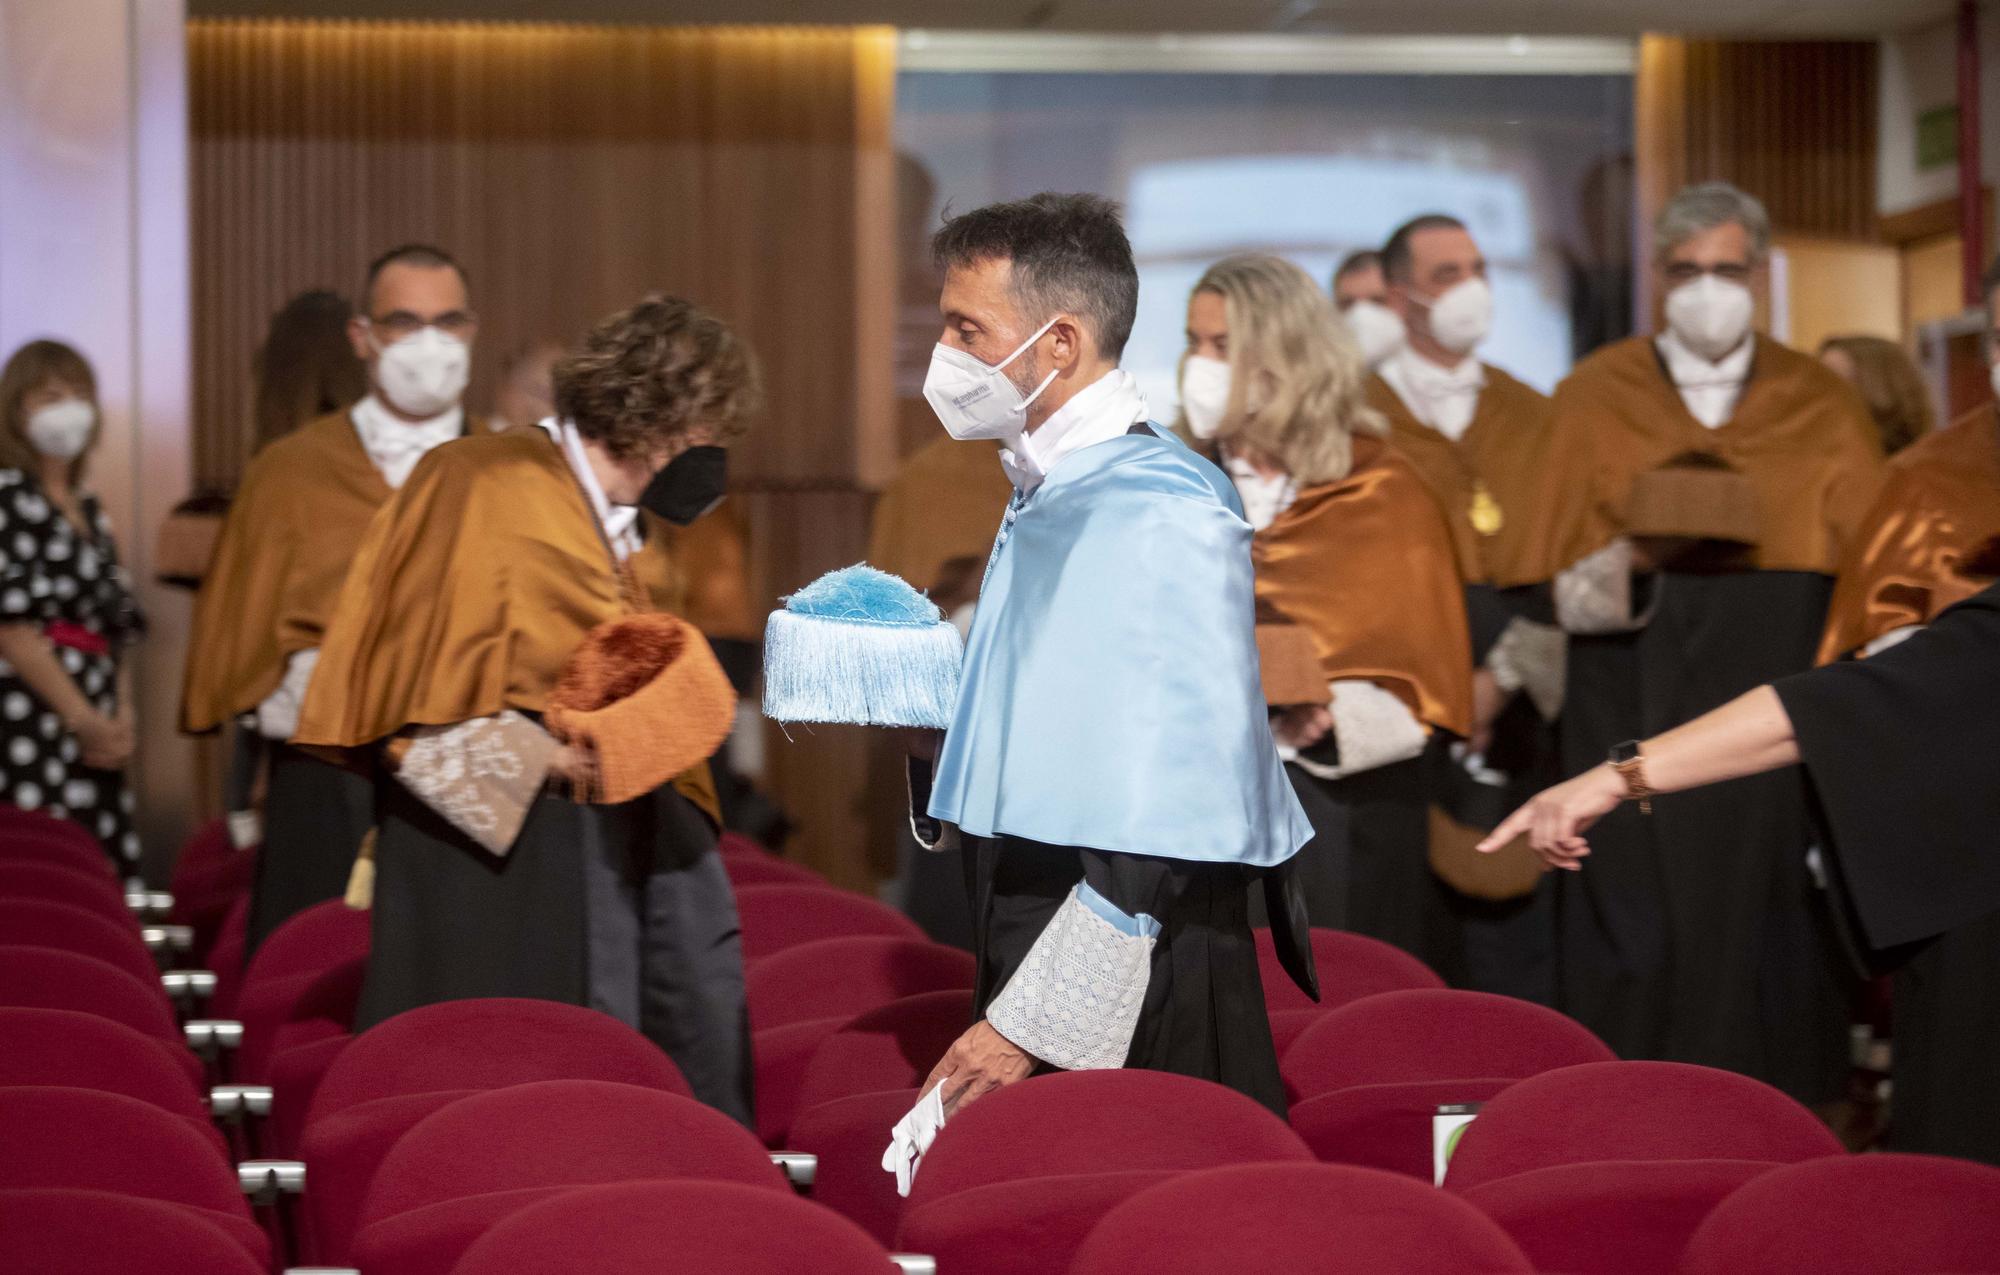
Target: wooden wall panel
1792	122
572	169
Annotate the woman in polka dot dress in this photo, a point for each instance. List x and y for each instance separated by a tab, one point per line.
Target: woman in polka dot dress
66	611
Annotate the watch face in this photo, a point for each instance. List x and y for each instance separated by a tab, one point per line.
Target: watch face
1627	751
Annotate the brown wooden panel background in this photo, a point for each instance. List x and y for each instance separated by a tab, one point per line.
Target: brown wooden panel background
573	168
1792	122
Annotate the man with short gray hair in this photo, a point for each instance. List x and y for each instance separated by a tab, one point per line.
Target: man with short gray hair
1700	487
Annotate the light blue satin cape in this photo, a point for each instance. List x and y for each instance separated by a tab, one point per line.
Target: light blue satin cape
1110	697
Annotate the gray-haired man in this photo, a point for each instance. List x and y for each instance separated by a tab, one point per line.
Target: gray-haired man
1700	487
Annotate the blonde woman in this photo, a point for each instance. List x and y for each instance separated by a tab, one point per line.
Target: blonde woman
1351	548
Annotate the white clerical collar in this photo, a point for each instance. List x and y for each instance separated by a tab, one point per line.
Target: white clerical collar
1444	398
1708	389
1103	410
1686	368
620	522
394	445
1264	496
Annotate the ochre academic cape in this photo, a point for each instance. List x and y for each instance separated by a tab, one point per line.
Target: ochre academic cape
1800	435
1939	508
292	530
470	591
1365	565
943	506
1483	480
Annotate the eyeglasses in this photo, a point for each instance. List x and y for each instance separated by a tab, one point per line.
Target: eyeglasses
1688	271
398	324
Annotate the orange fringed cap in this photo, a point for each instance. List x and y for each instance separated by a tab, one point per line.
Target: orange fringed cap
646	698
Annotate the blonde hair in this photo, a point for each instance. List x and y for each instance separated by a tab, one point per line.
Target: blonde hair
1890	383
1290	356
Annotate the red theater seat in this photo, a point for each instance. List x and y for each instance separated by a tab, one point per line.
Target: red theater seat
1368	1076
82	887
777	917
1625	1217
210	875
654	1228
839	978
1855	1215
53	1136
392	1076
84	1051
68	928
1350	966
1015	1181
47	978
1634	1111
54	1231
849	1135
762	869
893	1047
1324	1218
486	1157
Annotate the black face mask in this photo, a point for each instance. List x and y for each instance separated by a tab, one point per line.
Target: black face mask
693	483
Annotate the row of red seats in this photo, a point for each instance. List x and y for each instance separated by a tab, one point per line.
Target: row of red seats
1575	1164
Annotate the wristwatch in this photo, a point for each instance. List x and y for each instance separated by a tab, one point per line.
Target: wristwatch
1630	764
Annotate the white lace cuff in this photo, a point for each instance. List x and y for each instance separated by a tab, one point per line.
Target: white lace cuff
1594	596
482	774
1075	1001
1531	657
1371	727
278	716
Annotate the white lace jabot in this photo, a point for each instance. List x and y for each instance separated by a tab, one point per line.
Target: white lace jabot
395	446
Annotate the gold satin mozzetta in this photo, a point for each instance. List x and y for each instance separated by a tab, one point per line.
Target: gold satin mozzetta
292	530
1799	434
1365	565
469	594
1481	480
713	556
1939	509
942	509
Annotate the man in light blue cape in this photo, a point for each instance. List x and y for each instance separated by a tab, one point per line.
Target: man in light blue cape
1109	765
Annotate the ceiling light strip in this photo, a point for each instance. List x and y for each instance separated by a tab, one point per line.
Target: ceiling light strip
931	50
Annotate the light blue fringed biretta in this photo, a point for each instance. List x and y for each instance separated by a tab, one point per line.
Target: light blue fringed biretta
1110	697
860	645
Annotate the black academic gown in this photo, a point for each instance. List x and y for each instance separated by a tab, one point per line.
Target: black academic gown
1203	1013
315	816
1699	934
625	909
1903	753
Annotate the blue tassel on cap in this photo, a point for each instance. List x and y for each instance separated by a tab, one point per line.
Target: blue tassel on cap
860	645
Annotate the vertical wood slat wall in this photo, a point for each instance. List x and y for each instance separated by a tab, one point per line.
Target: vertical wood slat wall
572	169
1792	122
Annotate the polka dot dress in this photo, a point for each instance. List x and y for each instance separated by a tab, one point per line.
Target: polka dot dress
51	573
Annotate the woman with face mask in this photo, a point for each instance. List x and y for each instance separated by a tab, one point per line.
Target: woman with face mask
67	615
505	653
1351	550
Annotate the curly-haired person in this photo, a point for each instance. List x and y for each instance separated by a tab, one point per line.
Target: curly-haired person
521	850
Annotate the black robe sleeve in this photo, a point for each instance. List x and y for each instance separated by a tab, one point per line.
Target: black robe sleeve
1904	753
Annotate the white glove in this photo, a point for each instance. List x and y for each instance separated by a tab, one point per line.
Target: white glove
913	1136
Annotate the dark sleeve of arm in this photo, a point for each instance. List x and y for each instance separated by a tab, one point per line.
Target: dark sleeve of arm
1904	753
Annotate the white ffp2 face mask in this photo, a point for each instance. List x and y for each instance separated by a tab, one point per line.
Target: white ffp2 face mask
1377	330
423	374
1204	394
974	399
62	429
1462	315
1711	316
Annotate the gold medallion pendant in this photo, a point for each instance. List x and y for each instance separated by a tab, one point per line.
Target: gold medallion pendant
1486	518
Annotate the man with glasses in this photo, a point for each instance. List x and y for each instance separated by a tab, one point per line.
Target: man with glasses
1698	490
285	549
